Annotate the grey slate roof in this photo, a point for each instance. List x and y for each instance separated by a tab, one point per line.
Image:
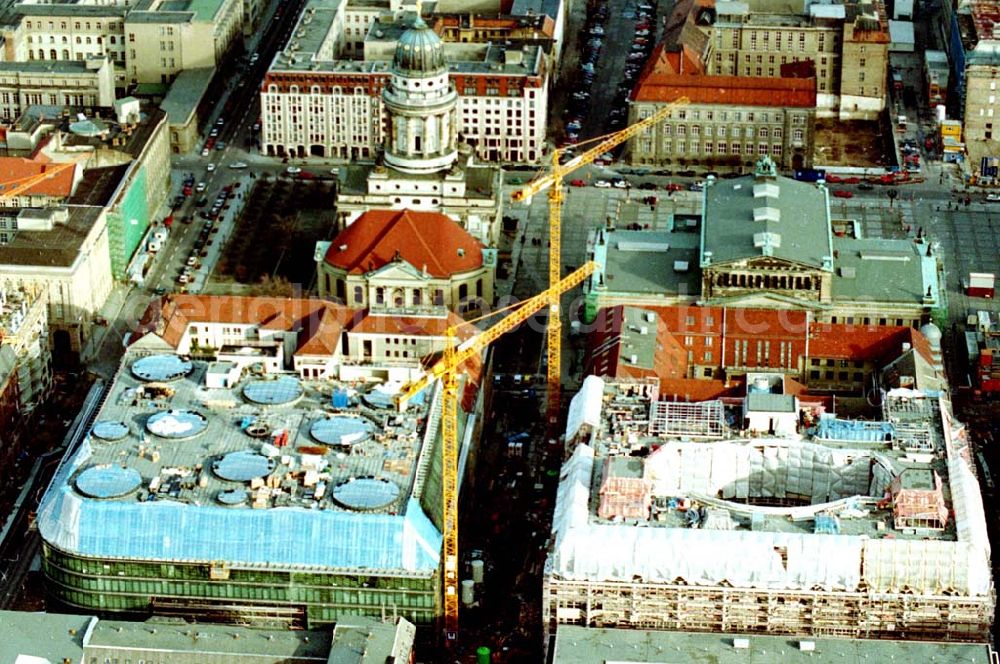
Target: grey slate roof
793	214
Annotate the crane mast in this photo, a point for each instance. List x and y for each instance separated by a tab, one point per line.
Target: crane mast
447	369
553	181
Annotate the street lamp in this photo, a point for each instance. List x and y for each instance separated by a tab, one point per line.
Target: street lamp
893	194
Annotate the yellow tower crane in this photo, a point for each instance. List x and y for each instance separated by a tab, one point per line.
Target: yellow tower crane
553	181
447	369
13	188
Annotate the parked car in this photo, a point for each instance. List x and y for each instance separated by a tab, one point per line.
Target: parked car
696	186
210	168
602	184
293	170
201	187
577	183
843	193
238	164
865	186
205	152
620	184
673	186
214	132
993	198
201	202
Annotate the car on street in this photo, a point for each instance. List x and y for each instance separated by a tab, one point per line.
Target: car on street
696	186
577	183
602	184
993	198
221	121
183	278
213	133
201	202
647	185
159	290
205	152
220	146
238	164
201	187
254	58
673	186
293	170
866	186
619	184
210	168
843	193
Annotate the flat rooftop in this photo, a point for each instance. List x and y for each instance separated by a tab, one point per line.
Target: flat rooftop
820	503
217	473
313	52
658	263
479	180
58	247
583	645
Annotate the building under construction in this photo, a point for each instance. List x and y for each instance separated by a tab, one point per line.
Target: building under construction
697	519
215	491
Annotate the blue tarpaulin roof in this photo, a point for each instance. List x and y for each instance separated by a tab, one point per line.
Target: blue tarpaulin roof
289	536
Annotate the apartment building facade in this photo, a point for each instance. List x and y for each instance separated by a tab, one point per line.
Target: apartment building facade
731	121
837	39
337	111
70	83
149	43
323	94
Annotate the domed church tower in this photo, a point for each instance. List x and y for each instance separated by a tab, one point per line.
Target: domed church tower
421	102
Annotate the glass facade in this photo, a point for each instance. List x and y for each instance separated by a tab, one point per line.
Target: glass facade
321	597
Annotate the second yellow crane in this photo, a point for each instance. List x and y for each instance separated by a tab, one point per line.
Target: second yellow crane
447	369
553	181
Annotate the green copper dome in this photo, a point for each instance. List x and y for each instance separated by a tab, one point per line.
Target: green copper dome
419	51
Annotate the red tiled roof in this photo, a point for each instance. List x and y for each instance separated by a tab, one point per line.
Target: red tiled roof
171	316
425	240
13	169
874	343
731	90
696	389
435	326
683	60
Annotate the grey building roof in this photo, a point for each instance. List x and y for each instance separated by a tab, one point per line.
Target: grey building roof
47	67
750	217
359	640
638	337
52	636
178	636
185	94
764	402
581	645
889	271
549	8
649	262
58	247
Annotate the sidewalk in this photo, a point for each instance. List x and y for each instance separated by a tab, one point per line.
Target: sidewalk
111	310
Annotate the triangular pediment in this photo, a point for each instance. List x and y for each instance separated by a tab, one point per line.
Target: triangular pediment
767	263
397	271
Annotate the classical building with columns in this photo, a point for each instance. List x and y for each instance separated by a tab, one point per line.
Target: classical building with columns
421	165
767	241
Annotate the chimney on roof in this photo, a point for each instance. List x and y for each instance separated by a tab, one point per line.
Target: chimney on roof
461	252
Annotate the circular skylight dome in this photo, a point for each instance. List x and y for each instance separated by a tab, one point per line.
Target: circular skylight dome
108	481
177	424
341	430
366	494
243	466
160	368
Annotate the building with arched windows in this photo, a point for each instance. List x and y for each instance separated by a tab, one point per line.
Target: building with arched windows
406	260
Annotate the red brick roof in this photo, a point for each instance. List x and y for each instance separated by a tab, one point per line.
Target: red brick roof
13	169
425	240
875	343
435	326
729	90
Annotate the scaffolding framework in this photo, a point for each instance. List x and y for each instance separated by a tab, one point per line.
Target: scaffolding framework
704	419
861	614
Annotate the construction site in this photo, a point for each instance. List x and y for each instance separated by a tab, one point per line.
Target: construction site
218	491
679	516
